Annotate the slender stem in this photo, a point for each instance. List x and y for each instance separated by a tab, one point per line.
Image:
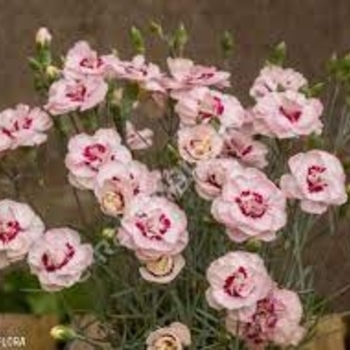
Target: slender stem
13	179
74	123
298	250
62	139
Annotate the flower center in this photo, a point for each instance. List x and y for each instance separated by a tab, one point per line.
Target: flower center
315	181
25	123
91	62
266	313
166	342
201	147
251	204
291	111
54	261
134	70
9	231
77	93
263	321
213	107
95	155
154	227
161	267
197	74
216	179
235	284
236	149
113	202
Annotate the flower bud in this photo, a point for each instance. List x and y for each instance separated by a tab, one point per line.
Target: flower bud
108	232
137	40
62	332
52	71
278	54
253	245
43	37
227	44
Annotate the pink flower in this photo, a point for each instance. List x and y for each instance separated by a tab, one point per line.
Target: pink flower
175	337
275	319
211	175
186	75
287	114
82	61
59	259
317	178
274	79
237	280
23	126
20	228
117	183
251	206
163	270
202	105
87	153
138	139
198	143
241	146
67	94
153	227
147	75
113	188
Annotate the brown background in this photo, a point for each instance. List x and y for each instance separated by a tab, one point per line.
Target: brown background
312	29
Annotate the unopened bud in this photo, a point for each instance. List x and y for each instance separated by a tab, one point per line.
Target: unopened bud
52	71
108	232
157	29
137	40
62	332
227	44
43	37
278	54
253	245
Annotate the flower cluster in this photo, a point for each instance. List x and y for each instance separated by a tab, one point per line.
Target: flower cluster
225	148
56	256
257	310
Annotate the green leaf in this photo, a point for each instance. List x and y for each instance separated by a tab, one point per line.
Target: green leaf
314	142
180	39
156	28
227	44
314	90
332	64
278	54
137	40
34	64
339	68
44	56
44	303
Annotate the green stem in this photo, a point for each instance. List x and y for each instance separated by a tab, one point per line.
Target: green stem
62	141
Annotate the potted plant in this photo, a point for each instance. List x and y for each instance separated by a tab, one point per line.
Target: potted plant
190	230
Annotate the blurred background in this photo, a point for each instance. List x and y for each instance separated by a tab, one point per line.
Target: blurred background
312	29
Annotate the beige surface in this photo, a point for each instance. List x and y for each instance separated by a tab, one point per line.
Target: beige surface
313	29
35	331
330	335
